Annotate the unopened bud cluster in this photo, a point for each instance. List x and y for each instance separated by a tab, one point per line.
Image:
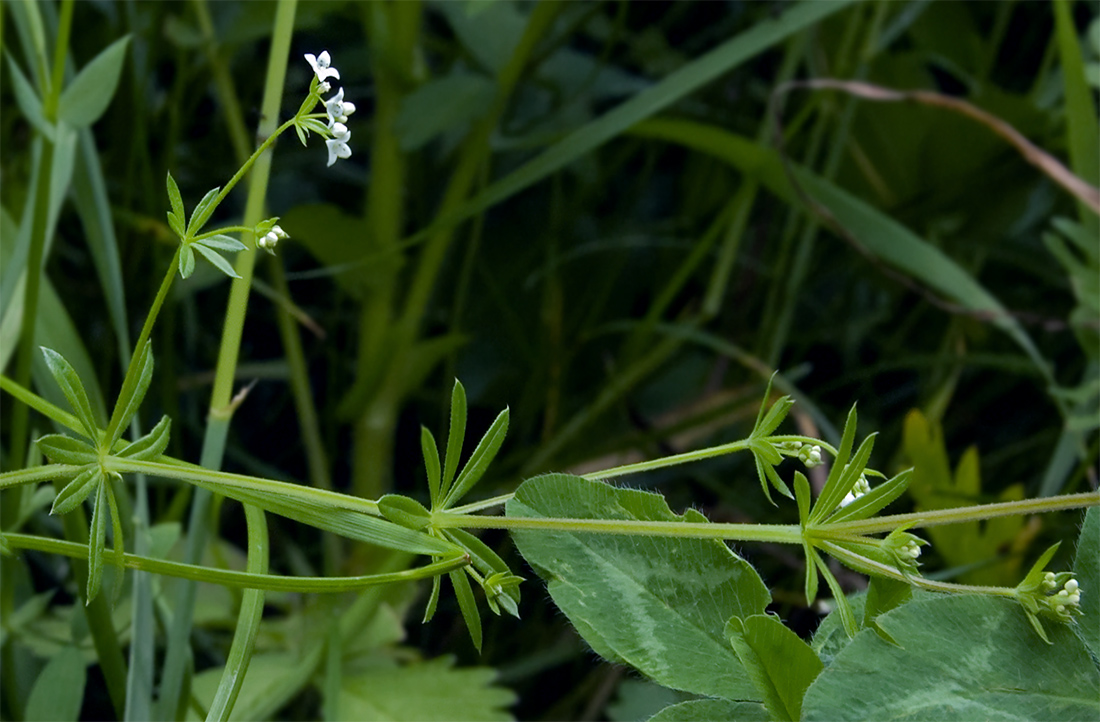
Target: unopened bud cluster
270	239
808	454
1066	602
862	487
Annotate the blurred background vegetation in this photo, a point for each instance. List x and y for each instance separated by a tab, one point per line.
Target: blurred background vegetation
630	302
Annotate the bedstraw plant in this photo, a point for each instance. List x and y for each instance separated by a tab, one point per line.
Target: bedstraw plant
660	592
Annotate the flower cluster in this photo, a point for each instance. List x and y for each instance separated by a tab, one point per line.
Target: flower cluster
336	108
1065	603
808	454
862	487
269	240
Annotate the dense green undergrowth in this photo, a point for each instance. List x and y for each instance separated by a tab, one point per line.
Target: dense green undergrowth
621	225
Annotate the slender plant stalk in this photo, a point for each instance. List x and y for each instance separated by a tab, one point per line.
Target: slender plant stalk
221	410
241	580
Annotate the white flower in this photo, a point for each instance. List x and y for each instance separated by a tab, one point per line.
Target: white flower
338	146
320	65
338	111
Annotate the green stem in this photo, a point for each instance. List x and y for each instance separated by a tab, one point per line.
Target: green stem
146	330
190	472
221	409
864	565
962	514
240	580
775	533
248	620
670	460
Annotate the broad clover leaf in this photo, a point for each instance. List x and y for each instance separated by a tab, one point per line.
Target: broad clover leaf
446	486
90	475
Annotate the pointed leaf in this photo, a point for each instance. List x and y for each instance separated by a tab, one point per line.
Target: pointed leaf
117	543
874	501
214	257
73	389
202	212
433	601
132	394
176	224
97	541
176	201
61	449
222	242
847	616
479	461
840	484
431	464
468	605
150	446
76	490
87	97
802	495
27	100
187	262
780	664
455	437
774	418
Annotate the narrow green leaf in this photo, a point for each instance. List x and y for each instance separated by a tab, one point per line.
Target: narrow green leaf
61	449
455	437
97	540
780	664
76	490
479	461
202	212
468	605
431	464
874	501
150	446
73	389
839	486
802	495
118	544
58	692
176	224
404	511
774	417
87	97
176	201
131	396
960	658
28	101
433	601
222	242
186	262
847	616
214	257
